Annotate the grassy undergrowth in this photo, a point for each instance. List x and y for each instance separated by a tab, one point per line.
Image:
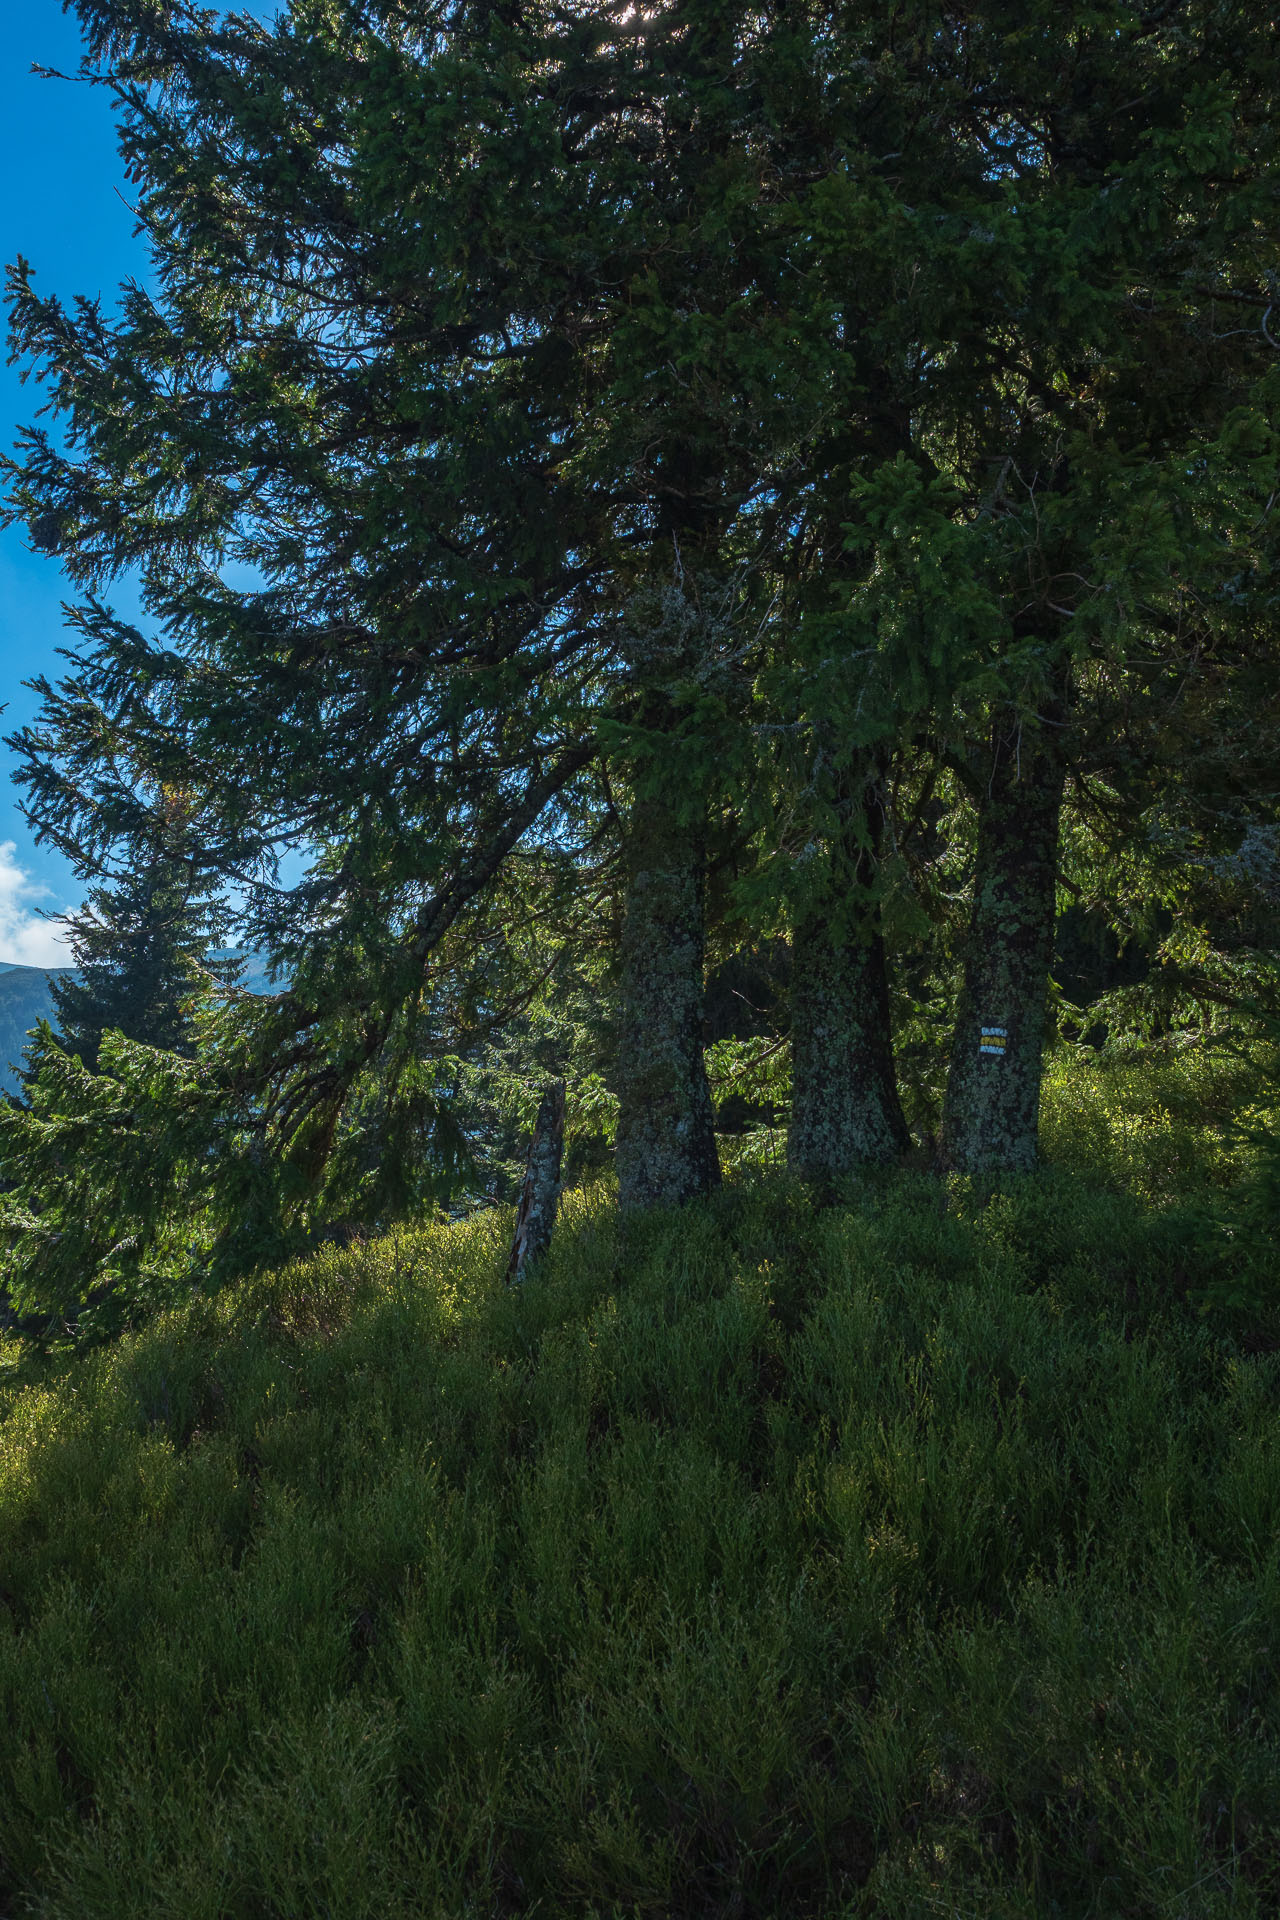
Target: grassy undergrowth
911	1557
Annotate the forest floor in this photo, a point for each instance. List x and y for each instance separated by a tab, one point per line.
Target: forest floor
913	1556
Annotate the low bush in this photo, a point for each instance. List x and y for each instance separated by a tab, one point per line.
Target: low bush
912	1557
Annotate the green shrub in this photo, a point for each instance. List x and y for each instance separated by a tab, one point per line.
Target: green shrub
904	1558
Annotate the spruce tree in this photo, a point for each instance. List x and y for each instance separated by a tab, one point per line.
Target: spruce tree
1084	458
450	352
1143	153
140	947
516	355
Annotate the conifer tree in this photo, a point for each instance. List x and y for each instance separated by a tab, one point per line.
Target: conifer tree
450	352
140	947
1143	150
510	351
1065	500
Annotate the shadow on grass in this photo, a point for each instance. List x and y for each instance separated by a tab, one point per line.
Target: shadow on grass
904	1557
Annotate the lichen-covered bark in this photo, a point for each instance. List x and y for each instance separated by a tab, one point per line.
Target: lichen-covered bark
992	1107
666	1145
845	1107
540	1191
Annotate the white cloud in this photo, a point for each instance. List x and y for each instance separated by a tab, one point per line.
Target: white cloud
25	939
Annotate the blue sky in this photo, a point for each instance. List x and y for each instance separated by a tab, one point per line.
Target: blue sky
65	205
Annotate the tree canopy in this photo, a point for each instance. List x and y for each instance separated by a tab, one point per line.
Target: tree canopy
807	472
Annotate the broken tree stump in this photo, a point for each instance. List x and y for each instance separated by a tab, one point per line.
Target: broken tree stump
540	1191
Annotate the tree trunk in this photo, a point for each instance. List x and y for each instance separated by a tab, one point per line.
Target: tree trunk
540	1191
992	1107
666	1149
845	1107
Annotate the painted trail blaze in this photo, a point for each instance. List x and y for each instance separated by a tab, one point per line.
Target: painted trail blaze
993	1040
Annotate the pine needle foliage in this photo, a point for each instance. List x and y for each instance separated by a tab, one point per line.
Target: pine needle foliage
140	946
108	1209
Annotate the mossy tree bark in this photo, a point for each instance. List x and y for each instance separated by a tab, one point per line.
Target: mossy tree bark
991	1111
666	1145
845	1108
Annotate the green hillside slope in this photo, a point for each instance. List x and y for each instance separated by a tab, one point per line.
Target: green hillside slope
897	1560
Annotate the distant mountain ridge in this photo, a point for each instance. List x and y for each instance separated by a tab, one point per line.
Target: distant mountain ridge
26	997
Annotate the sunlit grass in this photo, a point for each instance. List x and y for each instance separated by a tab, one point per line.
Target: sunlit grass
1162	1126
914	1557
